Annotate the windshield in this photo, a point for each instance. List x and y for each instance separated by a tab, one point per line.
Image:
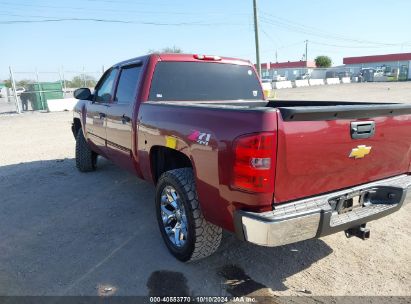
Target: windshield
201	81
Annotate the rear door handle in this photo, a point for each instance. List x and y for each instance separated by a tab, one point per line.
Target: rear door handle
362	129
125	119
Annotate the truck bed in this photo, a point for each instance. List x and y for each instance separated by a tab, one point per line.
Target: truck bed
296	110
314	141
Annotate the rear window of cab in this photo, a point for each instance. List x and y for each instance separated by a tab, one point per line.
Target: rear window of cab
202	81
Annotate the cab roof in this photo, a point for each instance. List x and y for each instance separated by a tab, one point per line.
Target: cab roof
184	58
198	58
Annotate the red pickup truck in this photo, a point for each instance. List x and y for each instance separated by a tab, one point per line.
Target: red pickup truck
223	157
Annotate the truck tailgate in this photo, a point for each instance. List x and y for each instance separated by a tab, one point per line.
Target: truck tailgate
318	156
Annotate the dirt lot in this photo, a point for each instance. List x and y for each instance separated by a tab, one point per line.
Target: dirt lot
67	233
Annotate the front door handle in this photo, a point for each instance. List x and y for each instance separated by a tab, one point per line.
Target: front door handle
125	118
102	115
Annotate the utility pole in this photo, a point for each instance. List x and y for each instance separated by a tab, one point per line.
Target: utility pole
84	77
64	79
276	56
257	47
306	53
13	86
40	90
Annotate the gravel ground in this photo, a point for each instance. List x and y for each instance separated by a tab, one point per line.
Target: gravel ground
7	106
67	233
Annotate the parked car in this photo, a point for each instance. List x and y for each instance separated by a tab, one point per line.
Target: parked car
223	157
378	73
331	74
344	74
20	90
303	76
279	78
266	80
367	75
4	92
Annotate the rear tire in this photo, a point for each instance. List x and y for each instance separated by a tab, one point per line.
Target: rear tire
196	238
86	159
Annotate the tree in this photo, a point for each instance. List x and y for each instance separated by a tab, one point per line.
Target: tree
20	84
7	83
78	81
174	50
323	61
24	82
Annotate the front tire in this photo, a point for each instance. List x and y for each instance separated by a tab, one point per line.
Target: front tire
86	159
187	234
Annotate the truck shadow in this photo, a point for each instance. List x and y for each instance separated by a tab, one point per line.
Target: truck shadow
67	233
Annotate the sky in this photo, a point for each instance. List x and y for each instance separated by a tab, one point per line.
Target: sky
52	36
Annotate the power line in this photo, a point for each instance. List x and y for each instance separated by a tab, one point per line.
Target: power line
283	46
308	30
118	1
113	21
268	35
131	11
290	45
55	19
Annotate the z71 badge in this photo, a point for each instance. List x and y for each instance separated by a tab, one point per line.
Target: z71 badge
200	137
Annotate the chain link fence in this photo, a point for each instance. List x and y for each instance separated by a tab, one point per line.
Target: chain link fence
30	90
377	72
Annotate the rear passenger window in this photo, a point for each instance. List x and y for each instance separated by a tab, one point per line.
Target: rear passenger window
127	84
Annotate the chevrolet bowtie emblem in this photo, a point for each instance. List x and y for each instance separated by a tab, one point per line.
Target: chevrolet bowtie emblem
360	151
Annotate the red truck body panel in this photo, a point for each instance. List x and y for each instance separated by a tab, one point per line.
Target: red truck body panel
212	163
313	155
310	158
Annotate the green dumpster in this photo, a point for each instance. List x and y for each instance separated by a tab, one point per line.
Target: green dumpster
40	92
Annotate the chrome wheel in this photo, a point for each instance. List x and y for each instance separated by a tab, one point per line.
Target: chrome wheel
174	217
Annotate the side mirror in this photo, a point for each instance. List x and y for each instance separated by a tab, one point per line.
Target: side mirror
82	93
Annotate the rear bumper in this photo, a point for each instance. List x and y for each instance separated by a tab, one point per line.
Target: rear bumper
317	216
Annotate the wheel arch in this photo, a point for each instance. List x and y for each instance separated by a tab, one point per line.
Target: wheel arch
163	159
76	126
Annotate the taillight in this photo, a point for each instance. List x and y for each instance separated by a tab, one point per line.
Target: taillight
253	168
